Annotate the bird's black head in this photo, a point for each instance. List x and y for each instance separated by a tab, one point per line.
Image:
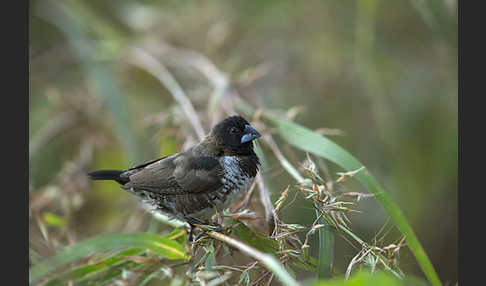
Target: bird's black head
235	135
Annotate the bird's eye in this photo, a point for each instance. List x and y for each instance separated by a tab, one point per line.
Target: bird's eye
233	130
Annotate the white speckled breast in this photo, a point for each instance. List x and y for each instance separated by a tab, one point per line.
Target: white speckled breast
234	179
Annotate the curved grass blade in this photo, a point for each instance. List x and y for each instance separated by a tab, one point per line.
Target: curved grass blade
363	278
160	245
309	141
111	274
89	270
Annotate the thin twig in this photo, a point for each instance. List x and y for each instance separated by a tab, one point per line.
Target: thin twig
281	158
149	63
270	216
268	260
246	199
196	60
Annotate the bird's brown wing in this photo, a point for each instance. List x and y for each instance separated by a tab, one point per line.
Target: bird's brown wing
183	173
146	164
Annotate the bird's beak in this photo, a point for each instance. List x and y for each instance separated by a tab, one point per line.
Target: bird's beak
250	134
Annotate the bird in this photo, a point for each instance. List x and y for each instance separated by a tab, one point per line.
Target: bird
194	184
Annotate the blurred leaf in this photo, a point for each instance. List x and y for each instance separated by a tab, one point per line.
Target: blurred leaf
309	265
112	273
255	239
179	235
92	269
160	245
309	141
53	220
439	18
427	15
362	279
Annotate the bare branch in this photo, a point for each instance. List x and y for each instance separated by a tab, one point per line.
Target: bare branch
281	158
146	61
198	61
267	203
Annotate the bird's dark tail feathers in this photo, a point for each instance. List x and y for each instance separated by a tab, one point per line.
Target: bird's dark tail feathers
109	175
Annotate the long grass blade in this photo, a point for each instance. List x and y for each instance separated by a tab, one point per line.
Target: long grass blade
309	141
326	250
366	278
87	271
160	245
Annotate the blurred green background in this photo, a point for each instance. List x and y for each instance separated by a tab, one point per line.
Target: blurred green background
382	73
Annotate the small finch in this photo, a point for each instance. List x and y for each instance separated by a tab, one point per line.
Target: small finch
191	185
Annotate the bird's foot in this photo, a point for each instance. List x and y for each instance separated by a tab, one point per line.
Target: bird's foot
204	227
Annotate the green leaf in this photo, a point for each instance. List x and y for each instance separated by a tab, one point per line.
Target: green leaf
53	220
309	141
326	249
308	263
160	245
92	269
362	279
179	235
86	271
112	273
255	239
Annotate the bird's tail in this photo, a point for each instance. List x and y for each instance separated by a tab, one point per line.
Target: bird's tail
114	175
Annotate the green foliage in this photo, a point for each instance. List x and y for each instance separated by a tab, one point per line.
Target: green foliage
364	278
330	214
255	239
158	244
390	97
326	249
84	272
314	143
54	220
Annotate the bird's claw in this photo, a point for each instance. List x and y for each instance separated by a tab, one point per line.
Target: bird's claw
204	227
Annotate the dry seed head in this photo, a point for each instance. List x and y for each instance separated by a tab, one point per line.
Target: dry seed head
343	176
281	200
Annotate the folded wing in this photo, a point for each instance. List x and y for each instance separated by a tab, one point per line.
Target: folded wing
183	173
